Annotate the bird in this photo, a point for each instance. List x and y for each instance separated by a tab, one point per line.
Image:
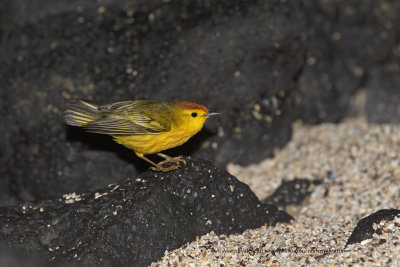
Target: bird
144	126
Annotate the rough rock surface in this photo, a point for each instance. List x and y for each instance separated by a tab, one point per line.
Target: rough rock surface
238	58
364	229
383	94
134	222
261	65
292	192
346	41
19	258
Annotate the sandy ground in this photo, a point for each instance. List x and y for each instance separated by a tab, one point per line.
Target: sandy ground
360	166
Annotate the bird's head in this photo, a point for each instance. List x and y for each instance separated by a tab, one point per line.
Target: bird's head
192	115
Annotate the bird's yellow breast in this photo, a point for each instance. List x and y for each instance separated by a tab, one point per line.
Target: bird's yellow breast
156	142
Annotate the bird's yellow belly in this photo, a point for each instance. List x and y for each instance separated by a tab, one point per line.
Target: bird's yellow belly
152	143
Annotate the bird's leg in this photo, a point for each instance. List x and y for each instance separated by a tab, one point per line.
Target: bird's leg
159	167
170	159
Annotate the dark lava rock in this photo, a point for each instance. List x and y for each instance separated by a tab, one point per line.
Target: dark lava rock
345	39
134	222
383	93
364	229
292	192
262	65
240	58
19	258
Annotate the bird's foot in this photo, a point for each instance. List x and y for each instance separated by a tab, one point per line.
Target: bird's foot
160	168
176	160
168	159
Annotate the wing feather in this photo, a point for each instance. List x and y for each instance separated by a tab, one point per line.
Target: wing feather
127	118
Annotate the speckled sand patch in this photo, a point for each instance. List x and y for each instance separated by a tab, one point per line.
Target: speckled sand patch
360	165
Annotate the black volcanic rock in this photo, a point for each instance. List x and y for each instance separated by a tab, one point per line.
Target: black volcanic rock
240	58
364	229
345	40
134	222
262	65
383	94
292	192
19	258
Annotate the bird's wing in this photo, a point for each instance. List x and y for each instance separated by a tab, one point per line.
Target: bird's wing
126	118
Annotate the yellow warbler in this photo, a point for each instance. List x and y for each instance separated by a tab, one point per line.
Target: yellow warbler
146	127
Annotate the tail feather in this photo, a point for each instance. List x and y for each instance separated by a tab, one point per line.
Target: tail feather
81	112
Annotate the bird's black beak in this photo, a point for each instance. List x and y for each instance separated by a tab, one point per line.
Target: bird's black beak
210	114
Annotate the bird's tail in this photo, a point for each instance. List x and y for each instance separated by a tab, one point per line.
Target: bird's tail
81	112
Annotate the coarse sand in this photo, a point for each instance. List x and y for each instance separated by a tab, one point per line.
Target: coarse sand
360	166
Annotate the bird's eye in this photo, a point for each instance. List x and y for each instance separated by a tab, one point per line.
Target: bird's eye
194	114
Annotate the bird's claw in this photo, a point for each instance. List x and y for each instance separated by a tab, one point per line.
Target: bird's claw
176	160
164	169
